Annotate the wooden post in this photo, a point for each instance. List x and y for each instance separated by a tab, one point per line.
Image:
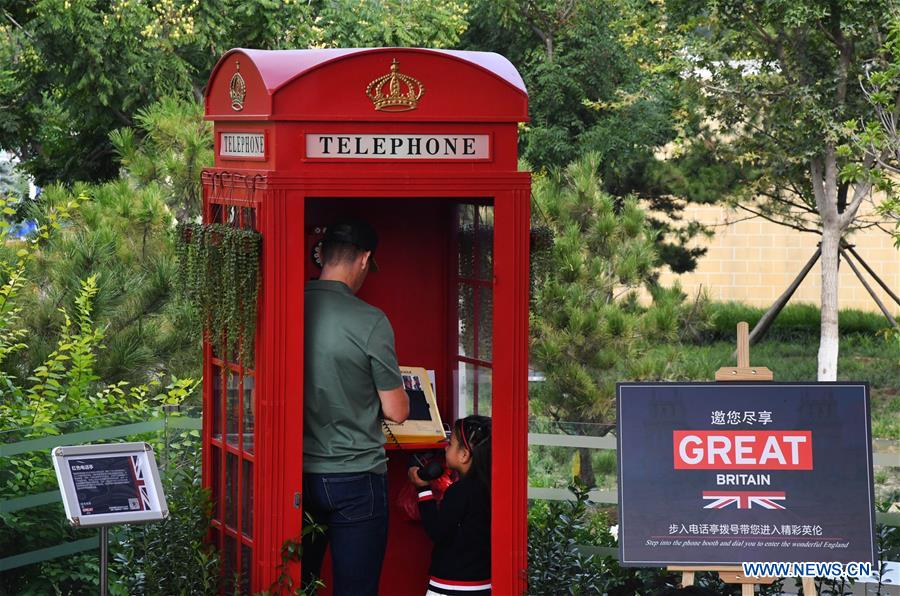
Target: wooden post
809	586
743	371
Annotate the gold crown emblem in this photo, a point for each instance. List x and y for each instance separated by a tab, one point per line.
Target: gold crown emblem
237	89
395	100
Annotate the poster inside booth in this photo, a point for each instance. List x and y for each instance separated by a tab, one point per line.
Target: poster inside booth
424	422
727	473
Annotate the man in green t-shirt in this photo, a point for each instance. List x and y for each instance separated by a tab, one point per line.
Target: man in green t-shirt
351	381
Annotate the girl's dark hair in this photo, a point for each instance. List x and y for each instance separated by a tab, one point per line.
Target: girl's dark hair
474	433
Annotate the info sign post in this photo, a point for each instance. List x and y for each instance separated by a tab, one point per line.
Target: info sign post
108	484
727	473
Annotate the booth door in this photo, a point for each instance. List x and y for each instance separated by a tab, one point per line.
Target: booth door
475	298
232	437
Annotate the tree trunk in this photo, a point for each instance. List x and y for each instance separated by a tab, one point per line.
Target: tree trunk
586	467
828	341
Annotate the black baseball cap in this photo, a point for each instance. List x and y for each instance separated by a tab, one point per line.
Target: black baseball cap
356	232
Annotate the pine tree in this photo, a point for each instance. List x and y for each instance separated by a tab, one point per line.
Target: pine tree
124	236
588	327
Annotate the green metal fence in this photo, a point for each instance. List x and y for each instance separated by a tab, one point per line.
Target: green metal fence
166	423
160	425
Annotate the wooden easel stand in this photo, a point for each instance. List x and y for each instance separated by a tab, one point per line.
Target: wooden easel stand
742	372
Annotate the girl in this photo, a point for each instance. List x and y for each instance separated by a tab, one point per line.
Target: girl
461	526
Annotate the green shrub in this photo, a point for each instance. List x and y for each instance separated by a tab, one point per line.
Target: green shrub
555	566
170	556
793	321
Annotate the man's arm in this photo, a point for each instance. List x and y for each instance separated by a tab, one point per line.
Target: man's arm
394	404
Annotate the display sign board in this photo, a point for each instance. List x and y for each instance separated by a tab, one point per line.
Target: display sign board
109	484
727	473
398	146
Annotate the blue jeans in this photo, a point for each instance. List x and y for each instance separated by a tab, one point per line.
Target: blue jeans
353	507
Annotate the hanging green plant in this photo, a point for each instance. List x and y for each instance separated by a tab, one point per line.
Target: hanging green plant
218	271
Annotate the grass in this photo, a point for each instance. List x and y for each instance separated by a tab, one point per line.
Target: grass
862	358
794	320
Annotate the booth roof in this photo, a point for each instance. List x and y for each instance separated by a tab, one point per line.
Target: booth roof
278	67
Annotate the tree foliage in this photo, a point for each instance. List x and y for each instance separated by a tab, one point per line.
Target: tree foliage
166	150
123	239
596	84
878	135
74	71
588	328
777	82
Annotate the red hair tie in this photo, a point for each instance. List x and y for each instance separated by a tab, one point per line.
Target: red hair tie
462	431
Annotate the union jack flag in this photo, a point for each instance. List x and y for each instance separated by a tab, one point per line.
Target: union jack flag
743	499
139	479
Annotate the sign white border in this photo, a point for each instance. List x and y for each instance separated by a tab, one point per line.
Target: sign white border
158	507
398	146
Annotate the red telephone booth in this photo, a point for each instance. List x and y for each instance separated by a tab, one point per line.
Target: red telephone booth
422	144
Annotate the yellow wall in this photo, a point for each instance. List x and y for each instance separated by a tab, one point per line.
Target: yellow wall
754	261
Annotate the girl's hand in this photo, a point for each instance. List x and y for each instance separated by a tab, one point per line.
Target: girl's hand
413	473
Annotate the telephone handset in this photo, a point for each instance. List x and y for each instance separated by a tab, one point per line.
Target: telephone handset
428	470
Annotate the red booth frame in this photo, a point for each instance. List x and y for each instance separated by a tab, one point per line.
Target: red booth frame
483	94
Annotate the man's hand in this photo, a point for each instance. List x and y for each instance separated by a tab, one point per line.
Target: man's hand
413	473
394	404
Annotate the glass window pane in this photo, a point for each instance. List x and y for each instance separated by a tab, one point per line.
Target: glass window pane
247	498
246	568
485	323
215	213
474	390
217	402
466	239
249	409
485	390
231	408
215	456
465	389
466	313
228	564
249	215
231	213
231	474
485	242
214	539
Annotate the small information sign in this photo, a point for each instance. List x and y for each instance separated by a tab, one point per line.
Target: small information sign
242	144
727	473
109	484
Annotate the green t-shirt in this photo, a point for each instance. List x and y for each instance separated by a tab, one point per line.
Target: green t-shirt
348	356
